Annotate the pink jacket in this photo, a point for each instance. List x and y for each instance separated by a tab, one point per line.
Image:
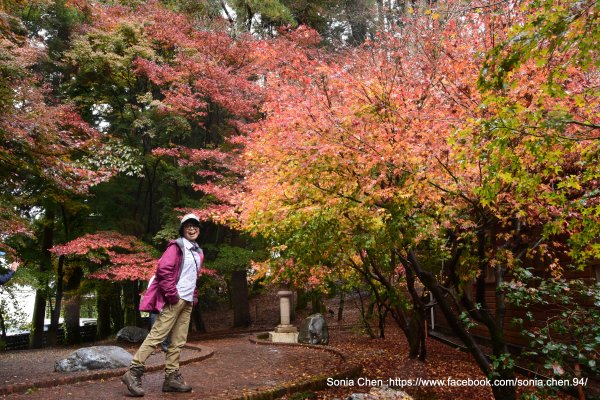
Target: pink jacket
163	289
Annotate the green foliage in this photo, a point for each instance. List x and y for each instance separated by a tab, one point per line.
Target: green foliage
212	291
11	27
56	19
540	136
269	11
337	21
550	30
122	102
226	258
466	320
194	8
504	362
103	72
571	334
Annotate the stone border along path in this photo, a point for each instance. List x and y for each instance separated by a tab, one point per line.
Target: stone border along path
97	375
314	383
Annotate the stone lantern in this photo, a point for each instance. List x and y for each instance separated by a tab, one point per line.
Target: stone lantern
284	332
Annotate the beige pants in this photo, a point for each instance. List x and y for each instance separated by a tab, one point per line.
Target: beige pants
173	319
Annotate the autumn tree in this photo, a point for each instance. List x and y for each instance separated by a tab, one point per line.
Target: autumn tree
314	147
399	149
49	154
541	139
107	256
384	147
177	98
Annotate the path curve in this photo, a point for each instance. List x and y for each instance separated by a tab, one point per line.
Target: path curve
237	369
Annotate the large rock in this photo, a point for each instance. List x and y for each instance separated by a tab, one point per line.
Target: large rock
314	330
96	357
132	334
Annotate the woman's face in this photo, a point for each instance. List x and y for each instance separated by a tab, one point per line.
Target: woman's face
191	231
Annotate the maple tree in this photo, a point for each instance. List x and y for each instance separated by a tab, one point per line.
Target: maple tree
173	93
541	87
107	256
391	151
126	256
49	154
542	94
316	148
42	142
193	89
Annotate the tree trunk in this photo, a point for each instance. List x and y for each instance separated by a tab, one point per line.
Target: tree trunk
371	308
302	300
130	296
72	307
417	322
197	318
363	316
439	293
2	326
381	314
52	334
239	295
416	345
317	305
116	309
341	307
409	324
356	12
36	338
380	16
138	198
104	292
72	313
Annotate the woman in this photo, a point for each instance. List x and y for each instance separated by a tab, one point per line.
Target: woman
173	293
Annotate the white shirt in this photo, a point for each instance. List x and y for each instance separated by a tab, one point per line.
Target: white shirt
189	272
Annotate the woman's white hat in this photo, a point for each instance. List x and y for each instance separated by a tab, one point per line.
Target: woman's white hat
188	217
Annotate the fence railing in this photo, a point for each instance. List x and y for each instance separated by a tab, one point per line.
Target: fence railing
21	341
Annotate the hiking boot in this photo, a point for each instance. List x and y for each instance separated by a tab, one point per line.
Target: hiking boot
133	380
174	383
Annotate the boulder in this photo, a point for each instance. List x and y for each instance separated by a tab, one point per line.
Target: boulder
132	334
95	357
313	330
